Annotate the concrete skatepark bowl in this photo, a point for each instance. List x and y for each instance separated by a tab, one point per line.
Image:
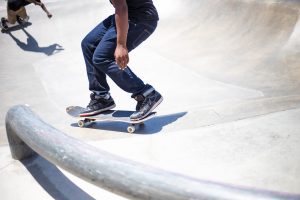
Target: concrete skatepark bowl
229	71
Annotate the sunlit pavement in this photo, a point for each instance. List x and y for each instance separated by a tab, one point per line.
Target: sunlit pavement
228	70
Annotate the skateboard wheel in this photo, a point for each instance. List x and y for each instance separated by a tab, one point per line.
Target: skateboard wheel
130	129
81	123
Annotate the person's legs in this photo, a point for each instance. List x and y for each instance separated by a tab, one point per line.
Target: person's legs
97	79
147	99
11	19
98	49
104	61
12	15
23	14
100	98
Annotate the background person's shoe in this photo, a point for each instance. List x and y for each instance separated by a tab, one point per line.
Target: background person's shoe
4	23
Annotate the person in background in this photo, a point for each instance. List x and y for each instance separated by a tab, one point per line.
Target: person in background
16	11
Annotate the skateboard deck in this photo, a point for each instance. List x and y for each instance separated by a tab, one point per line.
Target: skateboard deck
109	115
17	26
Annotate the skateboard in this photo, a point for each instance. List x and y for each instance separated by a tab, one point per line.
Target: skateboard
109	115
20	24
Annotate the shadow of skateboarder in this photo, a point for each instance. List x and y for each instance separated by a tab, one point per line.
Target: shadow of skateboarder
33	46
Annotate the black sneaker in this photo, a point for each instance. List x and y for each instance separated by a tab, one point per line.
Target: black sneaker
98	105
150	102
140	99
4	23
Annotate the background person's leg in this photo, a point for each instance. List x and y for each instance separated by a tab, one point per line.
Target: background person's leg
11	16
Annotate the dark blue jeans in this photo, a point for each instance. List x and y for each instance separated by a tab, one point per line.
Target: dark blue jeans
98	49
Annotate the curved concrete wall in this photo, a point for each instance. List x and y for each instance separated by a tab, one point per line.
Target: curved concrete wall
27	134
250	43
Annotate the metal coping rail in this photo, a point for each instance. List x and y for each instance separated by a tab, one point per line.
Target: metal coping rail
27	134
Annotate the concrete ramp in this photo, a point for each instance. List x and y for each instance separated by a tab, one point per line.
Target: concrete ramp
253	44
229	71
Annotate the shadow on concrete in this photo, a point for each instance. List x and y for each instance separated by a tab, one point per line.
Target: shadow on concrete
54	182
32	45
151	126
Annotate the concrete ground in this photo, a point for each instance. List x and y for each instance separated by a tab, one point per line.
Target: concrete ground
229	71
